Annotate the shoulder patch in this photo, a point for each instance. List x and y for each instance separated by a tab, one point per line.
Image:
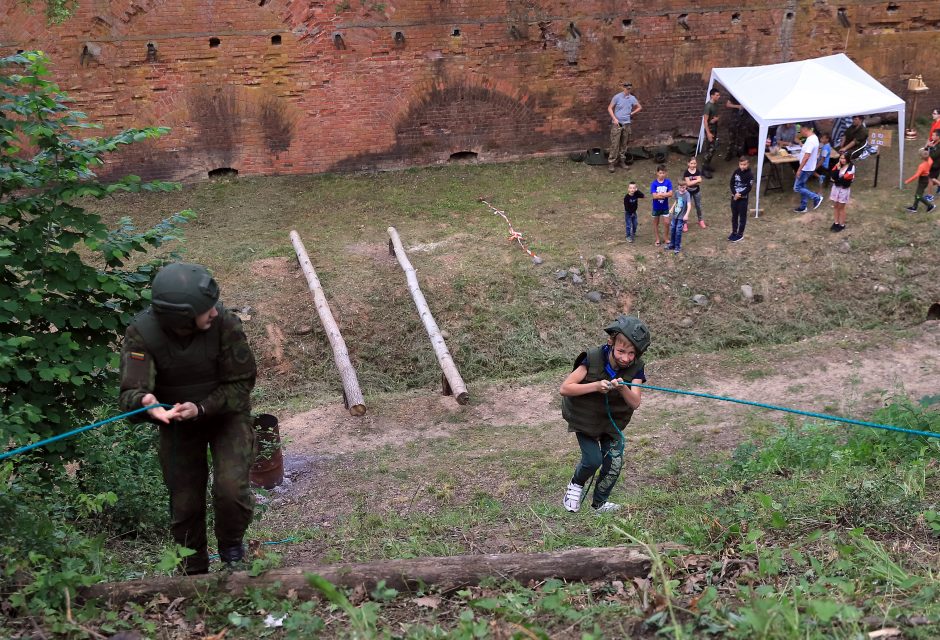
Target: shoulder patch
138	355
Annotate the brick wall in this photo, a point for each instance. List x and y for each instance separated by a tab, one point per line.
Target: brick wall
281	86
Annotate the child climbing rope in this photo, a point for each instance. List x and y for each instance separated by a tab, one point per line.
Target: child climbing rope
598	405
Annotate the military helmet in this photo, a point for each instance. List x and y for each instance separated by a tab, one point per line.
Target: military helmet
633	329
181	291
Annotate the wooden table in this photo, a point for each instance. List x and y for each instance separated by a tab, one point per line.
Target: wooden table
774	181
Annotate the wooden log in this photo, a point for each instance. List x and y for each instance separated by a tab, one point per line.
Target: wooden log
351	393
580	565
458	388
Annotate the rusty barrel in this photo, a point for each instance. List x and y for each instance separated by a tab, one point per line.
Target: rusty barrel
268	470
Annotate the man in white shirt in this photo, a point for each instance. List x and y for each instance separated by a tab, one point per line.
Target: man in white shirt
808	159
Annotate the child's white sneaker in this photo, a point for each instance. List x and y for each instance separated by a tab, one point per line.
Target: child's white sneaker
607	507
572	499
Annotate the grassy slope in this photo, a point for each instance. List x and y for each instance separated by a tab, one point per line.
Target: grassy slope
508	318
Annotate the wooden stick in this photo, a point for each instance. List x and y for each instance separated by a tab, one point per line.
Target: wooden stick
584	565
458	388
352	393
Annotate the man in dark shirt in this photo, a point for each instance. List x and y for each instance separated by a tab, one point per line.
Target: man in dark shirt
855	139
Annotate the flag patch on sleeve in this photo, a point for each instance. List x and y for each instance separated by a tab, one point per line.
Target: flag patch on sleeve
138	355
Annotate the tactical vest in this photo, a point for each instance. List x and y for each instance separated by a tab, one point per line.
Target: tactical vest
588	413
184	373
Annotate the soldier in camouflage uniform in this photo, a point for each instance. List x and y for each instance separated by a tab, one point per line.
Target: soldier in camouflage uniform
188	351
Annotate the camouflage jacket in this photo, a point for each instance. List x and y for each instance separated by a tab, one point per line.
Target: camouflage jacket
236	370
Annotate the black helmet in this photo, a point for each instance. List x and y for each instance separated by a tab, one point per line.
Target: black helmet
180	292
633	329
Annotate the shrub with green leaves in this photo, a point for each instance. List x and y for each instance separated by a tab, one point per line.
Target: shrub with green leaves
68	284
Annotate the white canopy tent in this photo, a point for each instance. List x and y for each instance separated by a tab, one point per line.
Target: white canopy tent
817	89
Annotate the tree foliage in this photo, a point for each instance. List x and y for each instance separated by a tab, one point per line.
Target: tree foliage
57	11
68	284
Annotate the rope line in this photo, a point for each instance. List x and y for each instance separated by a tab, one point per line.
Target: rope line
513	234
73	432
764	405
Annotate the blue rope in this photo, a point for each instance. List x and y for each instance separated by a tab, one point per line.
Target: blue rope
763	405
73	432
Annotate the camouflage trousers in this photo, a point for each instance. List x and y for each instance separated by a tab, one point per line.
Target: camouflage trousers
620	136
710	149
599	453
185	465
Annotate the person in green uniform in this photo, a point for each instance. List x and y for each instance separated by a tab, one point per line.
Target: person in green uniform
188	351
598	407
710	124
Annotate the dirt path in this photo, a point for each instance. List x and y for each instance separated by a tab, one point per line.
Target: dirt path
848	374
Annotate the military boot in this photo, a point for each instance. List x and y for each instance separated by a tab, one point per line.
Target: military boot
232	557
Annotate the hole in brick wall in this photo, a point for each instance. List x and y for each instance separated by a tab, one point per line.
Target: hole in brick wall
399	38
275	40
514	33
573	30
463	156
262	3
19	51
843	15
214	42
455	32
683	21
84	56
789	15
151	52
223	172
893	7
338	41
735	18
626	22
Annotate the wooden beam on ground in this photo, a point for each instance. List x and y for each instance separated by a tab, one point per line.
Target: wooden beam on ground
352	395
452	376
576	565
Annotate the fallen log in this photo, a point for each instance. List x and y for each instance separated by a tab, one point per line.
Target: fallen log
454	383
576	565
352	395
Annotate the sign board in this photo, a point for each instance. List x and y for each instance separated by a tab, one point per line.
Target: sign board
879	137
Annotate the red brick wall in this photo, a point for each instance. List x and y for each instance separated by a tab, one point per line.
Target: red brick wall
501	78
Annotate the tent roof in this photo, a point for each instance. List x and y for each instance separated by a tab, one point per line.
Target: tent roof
828	87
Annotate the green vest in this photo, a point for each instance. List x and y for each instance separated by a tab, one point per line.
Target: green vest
187	367
588	413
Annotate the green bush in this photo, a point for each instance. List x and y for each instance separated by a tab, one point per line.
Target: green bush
68	285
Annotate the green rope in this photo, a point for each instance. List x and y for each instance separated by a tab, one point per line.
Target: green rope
73	432
773	407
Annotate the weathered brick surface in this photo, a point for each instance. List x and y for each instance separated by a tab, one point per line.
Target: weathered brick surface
283	86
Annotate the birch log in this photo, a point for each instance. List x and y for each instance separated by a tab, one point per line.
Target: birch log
458	388
583	565
351	391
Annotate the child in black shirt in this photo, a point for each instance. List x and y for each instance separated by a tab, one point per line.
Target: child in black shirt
742	181
630	203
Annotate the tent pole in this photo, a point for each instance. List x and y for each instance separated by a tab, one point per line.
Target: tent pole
761	138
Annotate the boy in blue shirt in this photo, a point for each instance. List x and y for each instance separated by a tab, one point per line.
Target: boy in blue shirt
660	192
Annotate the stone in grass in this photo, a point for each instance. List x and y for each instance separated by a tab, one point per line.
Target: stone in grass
574	270
576	279
747	292
599	261
537	260
561	275
594	296
845	247
700	299
685	323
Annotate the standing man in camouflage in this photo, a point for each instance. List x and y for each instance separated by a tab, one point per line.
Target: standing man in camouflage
710	122
188	351
621	110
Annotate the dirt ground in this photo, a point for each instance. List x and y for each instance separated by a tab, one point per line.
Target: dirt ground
861	371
